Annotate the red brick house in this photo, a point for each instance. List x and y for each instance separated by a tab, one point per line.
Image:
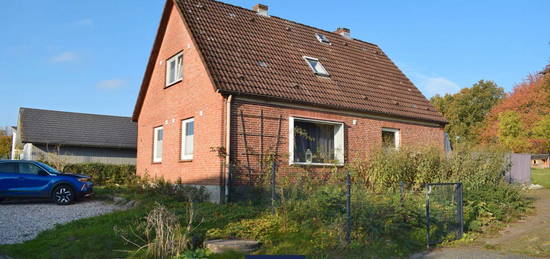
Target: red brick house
222	77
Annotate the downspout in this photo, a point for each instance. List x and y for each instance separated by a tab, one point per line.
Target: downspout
227	146
13	144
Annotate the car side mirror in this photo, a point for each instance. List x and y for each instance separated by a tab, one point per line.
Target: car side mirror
43	173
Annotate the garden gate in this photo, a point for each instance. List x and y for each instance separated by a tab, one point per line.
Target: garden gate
444	212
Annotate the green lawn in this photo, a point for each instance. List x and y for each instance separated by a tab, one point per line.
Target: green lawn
384	227
541	176
96	238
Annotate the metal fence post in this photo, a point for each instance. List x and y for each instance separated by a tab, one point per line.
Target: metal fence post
460	211
273	171
401	190
402	199
348	208
428	216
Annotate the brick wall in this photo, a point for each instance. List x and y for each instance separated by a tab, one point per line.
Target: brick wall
193	97
358	138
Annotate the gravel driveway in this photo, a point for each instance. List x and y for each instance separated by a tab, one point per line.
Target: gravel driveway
23	220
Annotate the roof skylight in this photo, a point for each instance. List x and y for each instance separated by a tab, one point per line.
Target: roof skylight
316	66
322	38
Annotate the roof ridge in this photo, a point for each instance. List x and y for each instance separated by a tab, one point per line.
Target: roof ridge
80	113
287	20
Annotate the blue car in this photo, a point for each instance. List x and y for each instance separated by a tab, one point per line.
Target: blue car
32	179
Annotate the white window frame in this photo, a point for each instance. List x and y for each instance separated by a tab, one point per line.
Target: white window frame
184	123
157	159
177	77
397	132
321	72
338	141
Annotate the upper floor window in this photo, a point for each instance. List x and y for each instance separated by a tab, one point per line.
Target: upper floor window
174	69
157	144
316	142
187	136
390	138
316	66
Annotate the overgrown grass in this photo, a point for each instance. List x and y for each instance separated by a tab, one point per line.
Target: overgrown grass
85	238
96	237
310	218
310	214
541	176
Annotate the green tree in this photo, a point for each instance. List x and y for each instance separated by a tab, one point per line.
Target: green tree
541	135
511	131
466	110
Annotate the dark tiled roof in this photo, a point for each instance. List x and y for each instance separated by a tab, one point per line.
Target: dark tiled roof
234	41
81	129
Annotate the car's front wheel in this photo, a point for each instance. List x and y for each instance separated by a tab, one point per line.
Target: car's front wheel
63	195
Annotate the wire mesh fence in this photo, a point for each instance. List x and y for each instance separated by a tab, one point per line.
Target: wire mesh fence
362	214
444	215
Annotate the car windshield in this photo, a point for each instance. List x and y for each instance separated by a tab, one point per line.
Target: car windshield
49	168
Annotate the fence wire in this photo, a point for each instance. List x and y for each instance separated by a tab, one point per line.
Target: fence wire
444	215
363	214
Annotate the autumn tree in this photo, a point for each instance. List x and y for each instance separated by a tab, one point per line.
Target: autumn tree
5	144
530	101
466	110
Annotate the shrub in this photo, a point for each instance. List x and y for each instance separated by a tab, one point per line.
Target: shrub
105	174
415	166
177	191
265	229
383	219
160	235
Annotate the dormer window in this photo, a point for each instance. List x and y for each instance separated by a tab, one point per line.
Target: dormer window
316	66
322	38
174	67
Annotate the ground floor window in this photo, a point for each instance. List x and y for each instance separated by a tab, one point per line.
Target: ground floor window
390	138
157	144
315	141
187	136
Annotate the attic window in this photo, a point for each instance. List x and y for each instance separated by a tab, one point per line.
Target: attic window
174	71
322	38
316	66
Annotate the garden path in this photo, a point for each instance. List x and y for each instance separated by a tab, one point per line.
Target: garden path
522	239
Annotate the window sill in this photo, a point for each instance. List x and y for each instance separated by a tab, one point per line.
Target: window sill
185	160
173	83
156	163
315	164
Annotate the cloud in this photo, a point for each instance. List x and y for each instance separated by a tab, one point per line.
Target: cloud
86	22
66	56
432	85
111	84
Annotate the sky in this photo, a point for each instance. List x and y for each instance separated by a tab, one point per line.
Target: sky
90	56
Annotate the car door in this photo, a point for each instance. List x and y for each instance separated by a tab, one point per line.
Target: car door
8	178
33	180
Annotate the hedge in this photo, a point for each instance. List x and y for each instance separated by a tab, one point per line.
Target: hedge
105	174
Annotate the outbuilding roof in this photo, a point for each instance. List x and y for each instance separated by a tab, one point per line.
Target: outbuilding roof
76	129
263	56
